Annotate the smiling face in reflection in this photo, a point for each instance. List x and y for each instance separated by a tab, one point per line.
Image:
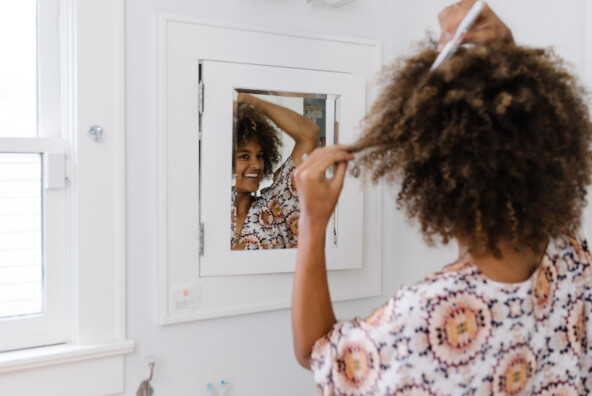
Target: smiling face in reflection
249	166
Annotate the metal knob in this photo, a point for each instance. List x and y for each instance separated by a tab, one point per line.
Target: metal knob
355	171
96	133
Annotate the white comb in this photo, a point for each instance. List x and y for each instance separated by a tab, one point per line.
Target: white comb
451	46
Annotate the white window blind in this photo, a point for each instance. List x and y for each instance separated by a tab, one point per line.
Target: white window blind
21	258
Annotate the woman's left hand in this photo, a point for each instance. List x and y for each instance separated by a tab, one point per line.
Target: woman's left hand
317	194
487	28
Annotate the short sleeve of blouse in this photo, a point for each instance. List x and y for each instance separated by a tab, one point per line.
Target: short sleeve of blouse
355	355
283	183
579	263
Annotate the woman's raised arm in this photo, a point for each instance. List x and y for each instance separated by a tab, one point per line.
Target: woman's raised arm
312	311
304	132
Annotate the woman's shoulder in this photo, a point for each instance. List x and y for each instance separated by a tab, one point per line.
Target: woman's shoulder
460	275
451	272
571	259
283	185
414	300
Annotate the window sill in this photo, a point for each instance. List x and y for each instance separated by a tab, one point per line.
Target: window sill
26	359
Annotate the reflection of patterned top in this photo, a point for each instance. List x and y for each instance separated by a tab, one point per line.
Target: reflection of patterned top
272	220
458	333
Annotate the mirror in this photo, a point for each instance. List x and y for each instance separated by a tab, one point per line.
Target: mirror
223	82
272	131
196	179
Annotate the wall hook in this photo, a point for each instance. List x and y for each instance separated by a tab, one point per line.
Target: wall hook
145	389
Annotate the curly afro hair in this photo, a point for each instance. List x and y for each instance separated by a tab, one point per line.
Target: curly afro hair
251	124
493	146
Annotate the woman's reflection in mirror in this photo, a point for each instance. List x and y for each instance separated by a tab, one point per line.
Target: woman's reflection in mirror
269	219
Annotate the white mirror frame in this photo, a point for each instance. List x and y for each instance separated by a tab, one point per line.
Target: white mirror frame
183	294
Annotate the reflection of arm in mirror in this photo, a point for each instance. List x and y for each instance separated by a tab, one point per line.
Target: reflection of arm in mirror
312	312
304	132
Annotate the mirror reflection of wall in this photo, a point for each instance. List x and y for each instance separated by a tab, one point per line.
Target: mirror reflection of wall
272	133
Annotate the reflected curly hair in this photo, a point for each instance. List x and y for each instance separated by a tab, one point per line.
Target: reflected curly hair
492	146
251	124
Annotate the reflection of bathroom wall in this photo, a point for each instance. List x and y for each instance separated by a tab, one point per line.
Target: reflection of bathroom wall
295	104
316	111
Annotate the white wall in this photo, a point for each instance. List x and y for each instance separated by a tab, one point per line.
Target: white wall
254	352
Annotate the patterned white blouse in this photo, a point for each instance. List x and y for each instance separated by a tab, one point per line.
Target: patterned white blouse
459	333
272	219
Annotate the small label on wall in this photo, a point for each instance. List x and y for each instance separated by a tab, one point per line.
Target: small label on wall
185	298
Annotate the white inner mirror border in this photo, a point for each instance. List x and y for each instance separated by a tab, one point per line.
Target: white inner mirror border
183	294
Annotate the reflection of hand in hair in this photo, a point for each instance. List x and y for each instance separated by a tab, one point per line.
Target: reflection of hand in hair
304	132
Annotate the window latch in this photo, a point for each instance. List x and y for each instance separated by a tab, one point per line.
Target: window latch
54	170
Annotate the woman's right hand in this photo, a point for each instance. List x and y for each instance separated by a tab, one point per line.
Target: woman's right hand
245	98
318	195
488	27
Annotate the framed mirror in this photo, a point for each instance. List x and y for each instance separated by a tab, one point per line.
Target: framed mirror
258	233
203	66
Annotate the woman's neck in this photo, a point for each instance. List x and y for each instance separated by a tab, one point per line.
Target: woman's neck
243	203
515	264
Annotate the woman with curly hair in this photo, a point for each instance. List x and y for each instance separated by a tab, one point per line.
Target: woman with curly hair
268	220
491	150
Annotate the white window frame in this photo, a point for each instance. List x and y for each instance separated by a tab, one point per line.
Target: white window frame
49	327
91	360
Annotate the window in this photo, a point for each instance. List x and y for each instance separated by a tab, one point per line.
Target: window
79	82
32	211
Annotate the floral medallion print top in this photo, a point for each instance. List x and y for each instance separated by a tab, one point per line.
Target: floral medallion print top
272	220
458	333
